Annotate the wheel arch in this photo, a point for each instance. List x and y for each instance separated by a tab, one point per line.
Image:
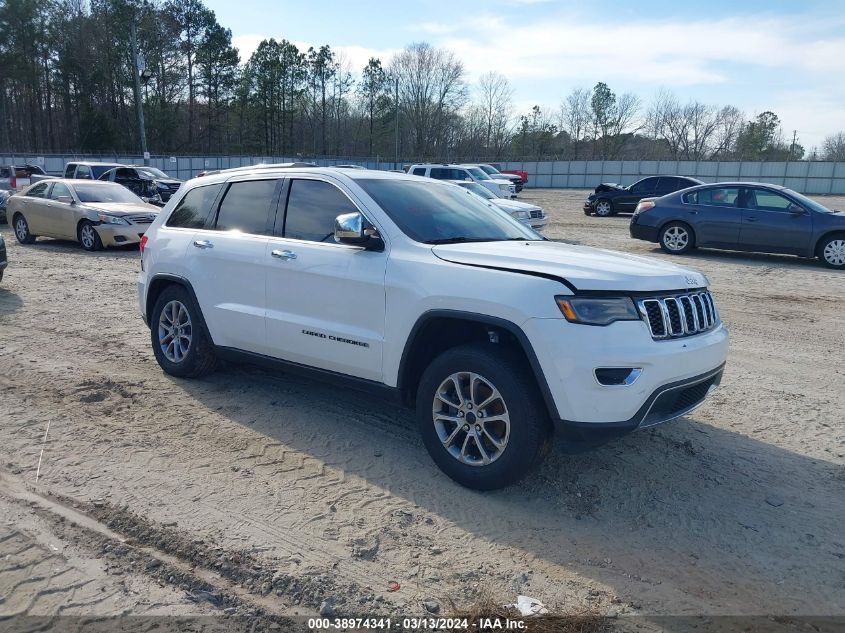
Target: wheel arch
817	247
157	284
436	331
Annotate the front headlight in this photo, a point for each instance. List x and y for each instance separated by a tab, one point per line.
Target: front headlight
521	215
597	310
505	187
105	218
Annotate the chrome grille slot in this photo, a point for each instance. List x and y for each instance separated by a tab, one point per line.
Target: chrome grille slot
141	219
536	214
675	316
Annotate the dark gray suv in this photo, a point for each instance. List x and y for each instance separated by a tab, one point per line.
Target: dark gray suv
743	216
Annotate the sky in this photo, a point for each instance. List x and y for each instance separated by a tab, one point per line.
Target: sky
783	56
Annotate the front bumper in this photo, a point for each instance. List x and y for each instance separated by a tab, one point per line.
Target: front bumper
569	354
538	224
121	234
588	207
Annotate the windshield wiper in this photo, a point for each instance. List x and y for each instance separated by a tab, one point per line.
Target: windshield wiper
460	240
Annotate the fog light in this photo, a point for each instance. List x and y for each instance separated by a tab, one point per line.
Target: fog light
617	376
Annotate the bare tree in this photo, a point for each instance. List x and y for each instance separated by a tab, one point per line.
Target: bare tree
833	147
495	108
728	128
431	90
575	117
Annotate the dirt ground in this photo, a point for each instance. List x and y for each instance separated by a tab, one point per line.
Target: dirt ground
267	495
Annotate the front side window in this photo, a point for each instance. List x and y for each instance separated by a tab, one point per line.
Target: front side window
83	172
38	191
644	186
443	214
246	207
69	170
194	207
767	200
59	190
312	208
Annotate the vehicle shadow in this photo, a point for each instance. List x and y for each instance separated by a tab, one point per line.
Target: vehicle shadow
9	301
63	246
690	509
749	259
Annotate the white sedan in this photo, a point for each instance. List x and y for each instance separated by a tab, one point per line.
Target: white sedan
529	214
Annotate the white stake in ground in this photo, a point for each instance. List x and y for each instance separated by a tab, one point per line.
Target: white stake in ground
43	443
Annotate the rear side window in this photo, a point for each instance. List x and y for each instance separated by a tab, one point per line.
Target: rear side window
5	172
419	171
194	207
313	206
448	173
718	197
246	207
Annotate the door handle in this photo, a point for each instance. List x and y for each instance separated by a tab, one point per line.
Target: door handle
750	219
203	244
283	254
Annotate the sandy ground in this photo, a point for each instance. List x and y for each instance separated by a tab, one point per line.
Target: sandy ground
275	495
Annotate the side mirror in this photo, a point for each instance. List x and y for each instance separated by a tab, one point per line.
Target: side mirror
353	229
794	209
65	199
467	179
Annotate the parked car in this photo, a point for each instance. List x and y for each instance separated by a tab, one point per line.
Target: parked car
4	198
390	284
148	183
4	261
494	173
96	214
743	216
517	172
88	170
529	214
610	199
445	171
13	177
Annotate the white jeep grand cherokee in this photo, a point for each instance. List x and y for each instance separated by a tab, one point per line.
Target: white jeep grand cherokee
389	282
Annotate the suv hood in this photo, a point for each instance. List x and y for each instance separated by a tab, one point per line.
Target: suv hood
583	267
514	205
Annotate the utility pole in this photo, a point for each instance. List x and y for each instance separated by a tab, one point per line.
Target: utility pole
396	149
139	104
792	147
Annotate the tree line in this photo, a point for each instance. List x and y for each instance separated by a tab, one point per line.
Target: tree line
66	84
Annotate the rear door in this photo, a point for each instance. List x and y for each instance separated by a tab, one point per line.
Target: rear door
715	216
325	301
774	223
227	264
34	208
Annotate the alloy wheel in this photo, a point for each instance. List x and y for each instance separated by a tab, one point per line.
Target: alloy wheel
471	419
603	208
175	331
21	229
676	238
834	252
87	236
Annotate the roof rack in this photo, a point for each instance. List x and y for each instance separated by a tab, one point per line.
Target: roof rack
260	166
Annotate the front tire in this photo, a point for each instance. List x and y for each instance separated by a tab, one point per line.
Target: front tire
88	237
604	208
677	238
181	343
22	233
832	252
481	417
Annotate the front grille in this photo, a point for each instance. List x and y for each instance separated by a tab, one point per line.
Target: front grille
536	214
675	402
679	315
141	219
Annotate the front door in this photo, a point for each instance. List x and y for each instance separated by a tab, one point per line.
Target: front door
325	301
227	265
60	212
773	223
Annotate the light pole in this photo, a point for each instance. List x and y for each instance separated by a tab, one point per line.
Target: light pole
137	70
396	149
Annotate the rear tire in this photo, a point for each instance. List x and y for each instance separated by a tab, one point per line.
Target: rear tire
604	208
181	343
22	233
677	238
831	251
495	429
88	237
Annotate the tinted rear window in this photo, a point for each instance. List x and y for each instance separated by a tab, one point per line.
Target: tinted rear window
246	206
193	209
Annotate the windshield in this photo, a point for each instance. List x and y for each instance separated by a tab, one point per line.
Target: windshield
152	171
99	170
106	193
438	213
490	170
478	173
807	202
479	190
